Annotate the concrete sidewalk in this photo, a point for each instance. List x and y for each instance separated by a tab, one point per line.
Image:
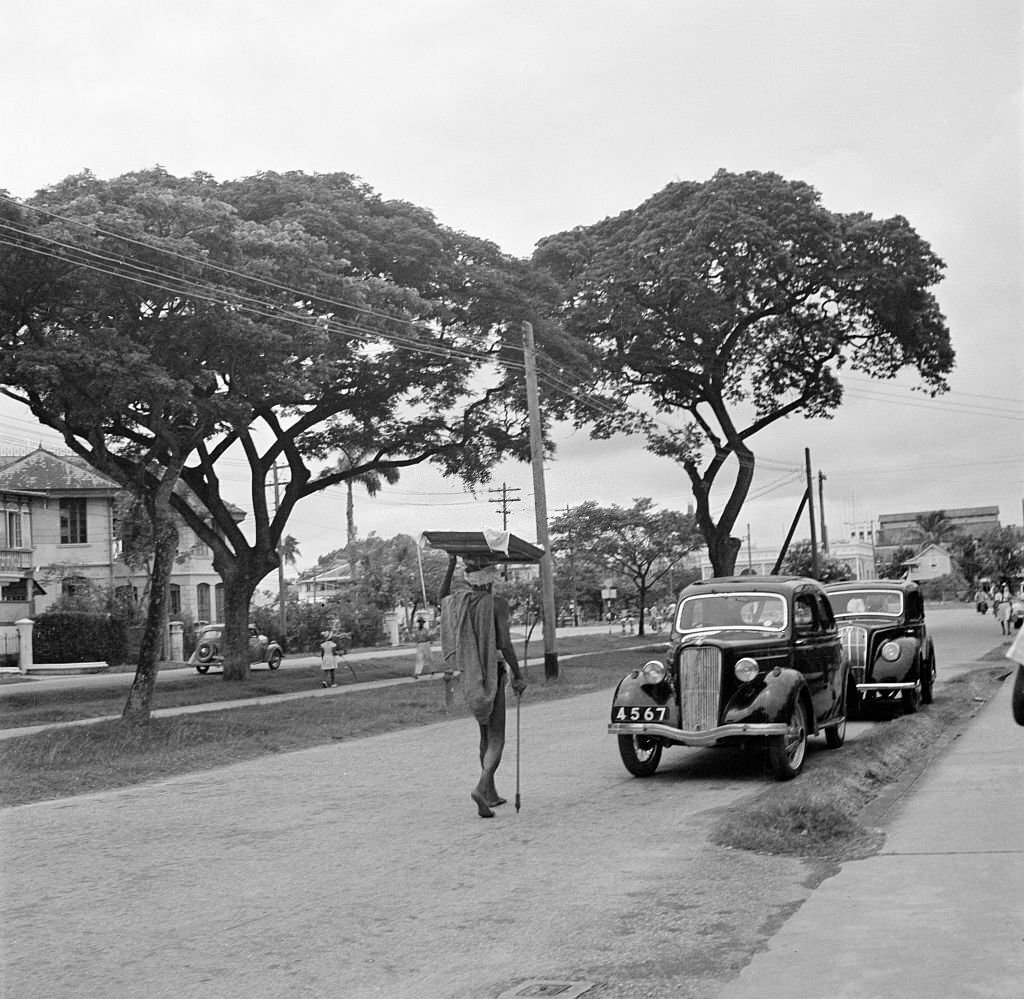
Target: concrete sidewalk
940	910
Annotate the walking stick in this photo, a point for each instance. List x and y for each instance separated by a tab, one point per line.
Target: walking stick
519	701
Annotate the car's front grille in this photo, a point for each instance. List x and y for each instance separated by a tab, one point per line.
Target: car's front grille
854	640
700	683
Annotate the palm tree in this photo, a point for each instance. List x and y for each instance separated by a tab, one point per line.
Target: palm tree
371	481
935	528
289	550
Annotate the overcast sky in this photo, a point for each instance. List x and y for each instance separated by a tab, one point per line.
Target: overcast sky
515	121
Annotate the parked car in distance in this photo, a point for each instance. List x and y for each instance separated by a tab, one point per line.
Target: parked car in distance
752	660
208	648
886	641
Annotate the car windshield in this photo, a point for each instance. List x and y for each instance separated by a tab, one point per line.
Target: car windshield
762	611
851	603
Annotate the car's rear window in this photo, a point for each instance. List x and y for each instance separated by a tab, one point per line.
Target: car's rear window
851	603
761	611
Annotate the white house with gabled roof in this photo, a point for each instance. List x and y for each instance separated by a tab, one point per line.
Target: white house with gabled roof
58	531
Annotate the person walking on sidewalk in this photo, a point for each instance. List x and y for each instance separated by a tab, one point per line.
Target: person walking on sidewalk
424	656
1002	610
475	639
328	660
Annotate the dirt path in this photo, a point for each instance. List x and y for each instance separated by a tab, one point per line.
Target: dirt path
362	870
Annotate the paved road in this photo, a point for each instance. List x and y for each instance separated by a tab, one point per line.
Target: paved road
361	870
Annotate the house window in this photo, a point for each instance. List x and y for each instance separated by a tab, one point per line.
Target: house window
203	601
218	599
72	522
174	598
10	530
71	586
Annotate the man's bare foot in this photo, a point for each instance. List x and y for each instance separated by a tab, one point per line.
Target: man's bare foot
483	809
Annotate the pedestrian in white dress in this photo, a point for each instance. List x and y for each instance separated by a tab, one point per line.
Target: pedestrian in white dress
328	660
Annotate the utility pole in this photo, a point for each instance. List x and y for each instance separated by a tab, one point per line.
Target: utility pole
821	511
572	572
547	581
815	570
504	501
280	566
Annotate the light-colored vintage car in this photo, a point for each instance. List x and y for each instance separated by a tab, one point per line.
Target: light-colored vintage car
208	648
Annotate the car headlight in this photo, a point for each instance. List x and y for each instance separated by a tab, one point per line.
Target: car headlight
654	671
890	652
746	669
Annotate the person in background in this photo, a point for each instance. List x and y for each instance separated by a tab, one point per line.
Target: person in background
1016	612
980	600
475	640
1001	607
328	660
421	636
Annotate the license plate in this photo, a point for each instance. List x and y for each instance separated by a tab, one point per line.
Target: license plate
639	713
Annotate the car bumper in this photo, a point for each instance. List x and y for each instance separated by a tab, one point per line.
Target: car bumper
905	685
753	730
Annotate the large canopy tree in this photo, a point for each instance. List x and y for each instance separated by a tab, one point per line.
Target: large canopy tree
638	543
734	303
169	325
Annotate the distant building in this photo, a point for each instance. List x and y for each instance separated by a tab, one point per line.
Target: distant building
322	582
858	556
902	529
929	563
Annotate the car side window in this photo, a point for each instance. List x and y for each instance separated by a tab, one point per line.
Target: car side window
804	616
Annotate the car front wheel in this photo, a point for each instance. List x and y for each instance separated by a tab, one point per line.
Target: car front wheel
641	754
274	660
854	701
202	667
786	752
911	698
927	680
835	735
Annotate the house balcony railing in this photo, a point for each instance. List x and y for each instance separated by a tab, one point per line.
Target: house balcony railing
15	559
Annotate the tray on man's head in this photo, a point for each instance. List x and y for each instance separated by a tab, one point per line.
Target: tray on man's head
475	544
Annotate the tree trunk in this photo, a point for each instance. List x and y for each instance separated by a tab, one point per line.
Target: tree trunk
237	596
165	548
723	552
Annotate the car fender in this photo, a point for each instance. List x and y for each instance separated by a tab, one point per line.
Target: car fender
901	669
271	648
769	698
634	691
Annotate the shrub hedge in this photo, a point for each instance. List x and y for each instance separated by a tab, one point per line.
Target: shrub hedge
78	637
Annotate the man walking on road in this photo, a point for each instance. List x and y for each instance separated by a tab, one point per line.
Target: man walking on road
475	640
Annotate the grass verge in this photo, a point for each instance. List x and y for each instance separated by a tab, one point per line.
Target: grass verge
62	762
820	815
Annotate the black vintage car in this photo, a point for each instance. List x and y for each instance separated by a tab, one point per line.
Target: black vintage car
886	641
753	660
